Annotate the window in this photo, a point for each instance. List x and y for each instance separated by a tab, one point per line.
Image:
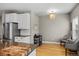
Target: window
74	28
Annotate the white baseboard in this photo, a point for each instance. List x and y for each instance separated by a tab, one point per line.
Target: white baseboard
51	42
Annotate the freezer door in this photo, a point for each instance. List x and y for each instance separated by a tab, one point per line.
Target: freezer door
6	31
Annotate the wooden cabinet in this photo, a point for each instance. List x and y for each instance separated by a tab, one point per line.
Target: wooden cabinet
11	17
23	39
24	21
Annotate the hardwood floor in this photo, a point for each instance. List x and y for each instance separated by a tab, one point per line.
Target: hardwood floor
50	50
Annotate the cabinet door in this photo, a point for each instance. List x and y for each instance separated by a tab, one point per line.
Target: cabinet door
23	39
28	21
20	21
12	17
18	39
7	18
24	21
26	40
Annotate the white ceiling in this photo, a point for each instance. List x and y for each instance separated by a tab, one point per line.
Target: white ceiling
38	8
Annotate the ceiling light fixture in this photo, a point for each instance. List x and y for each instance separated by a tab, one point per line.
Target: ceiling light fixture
52	13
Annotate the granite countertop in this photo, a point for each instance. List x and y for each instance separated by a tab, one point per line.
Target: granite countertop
23	35
16	49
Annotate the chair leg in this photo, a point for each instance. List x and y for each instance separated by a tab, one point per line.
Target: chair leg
65	51
60	43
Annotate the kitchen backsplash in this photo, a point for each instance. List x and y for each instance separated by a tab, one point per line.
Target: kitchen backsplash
25	32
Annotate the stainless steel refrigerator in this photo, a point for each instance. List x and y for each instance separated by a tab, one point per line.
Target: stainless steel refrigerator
10	30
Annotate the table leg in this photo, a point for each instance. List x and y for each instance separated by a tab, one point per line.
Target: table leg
65	51
60	43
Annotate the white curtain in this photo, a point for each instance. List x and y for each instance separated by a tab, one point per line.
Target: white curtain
74	28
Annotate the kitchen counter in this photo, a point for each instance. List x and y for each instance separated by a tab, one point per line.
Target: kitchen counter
23	36
16	49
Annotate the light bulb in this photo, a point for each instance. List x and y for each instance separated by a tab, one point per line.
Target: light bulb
51	15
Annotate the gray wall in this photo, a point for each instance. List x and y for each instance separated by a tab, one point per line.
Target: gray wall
34	24
54	30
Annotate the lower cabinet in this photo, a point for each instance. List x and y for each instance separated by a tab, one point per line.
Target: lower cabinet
23	39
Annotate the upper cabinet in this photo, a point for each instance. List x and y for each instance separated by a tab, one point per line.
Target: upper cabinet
28	21
11	17
24	21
